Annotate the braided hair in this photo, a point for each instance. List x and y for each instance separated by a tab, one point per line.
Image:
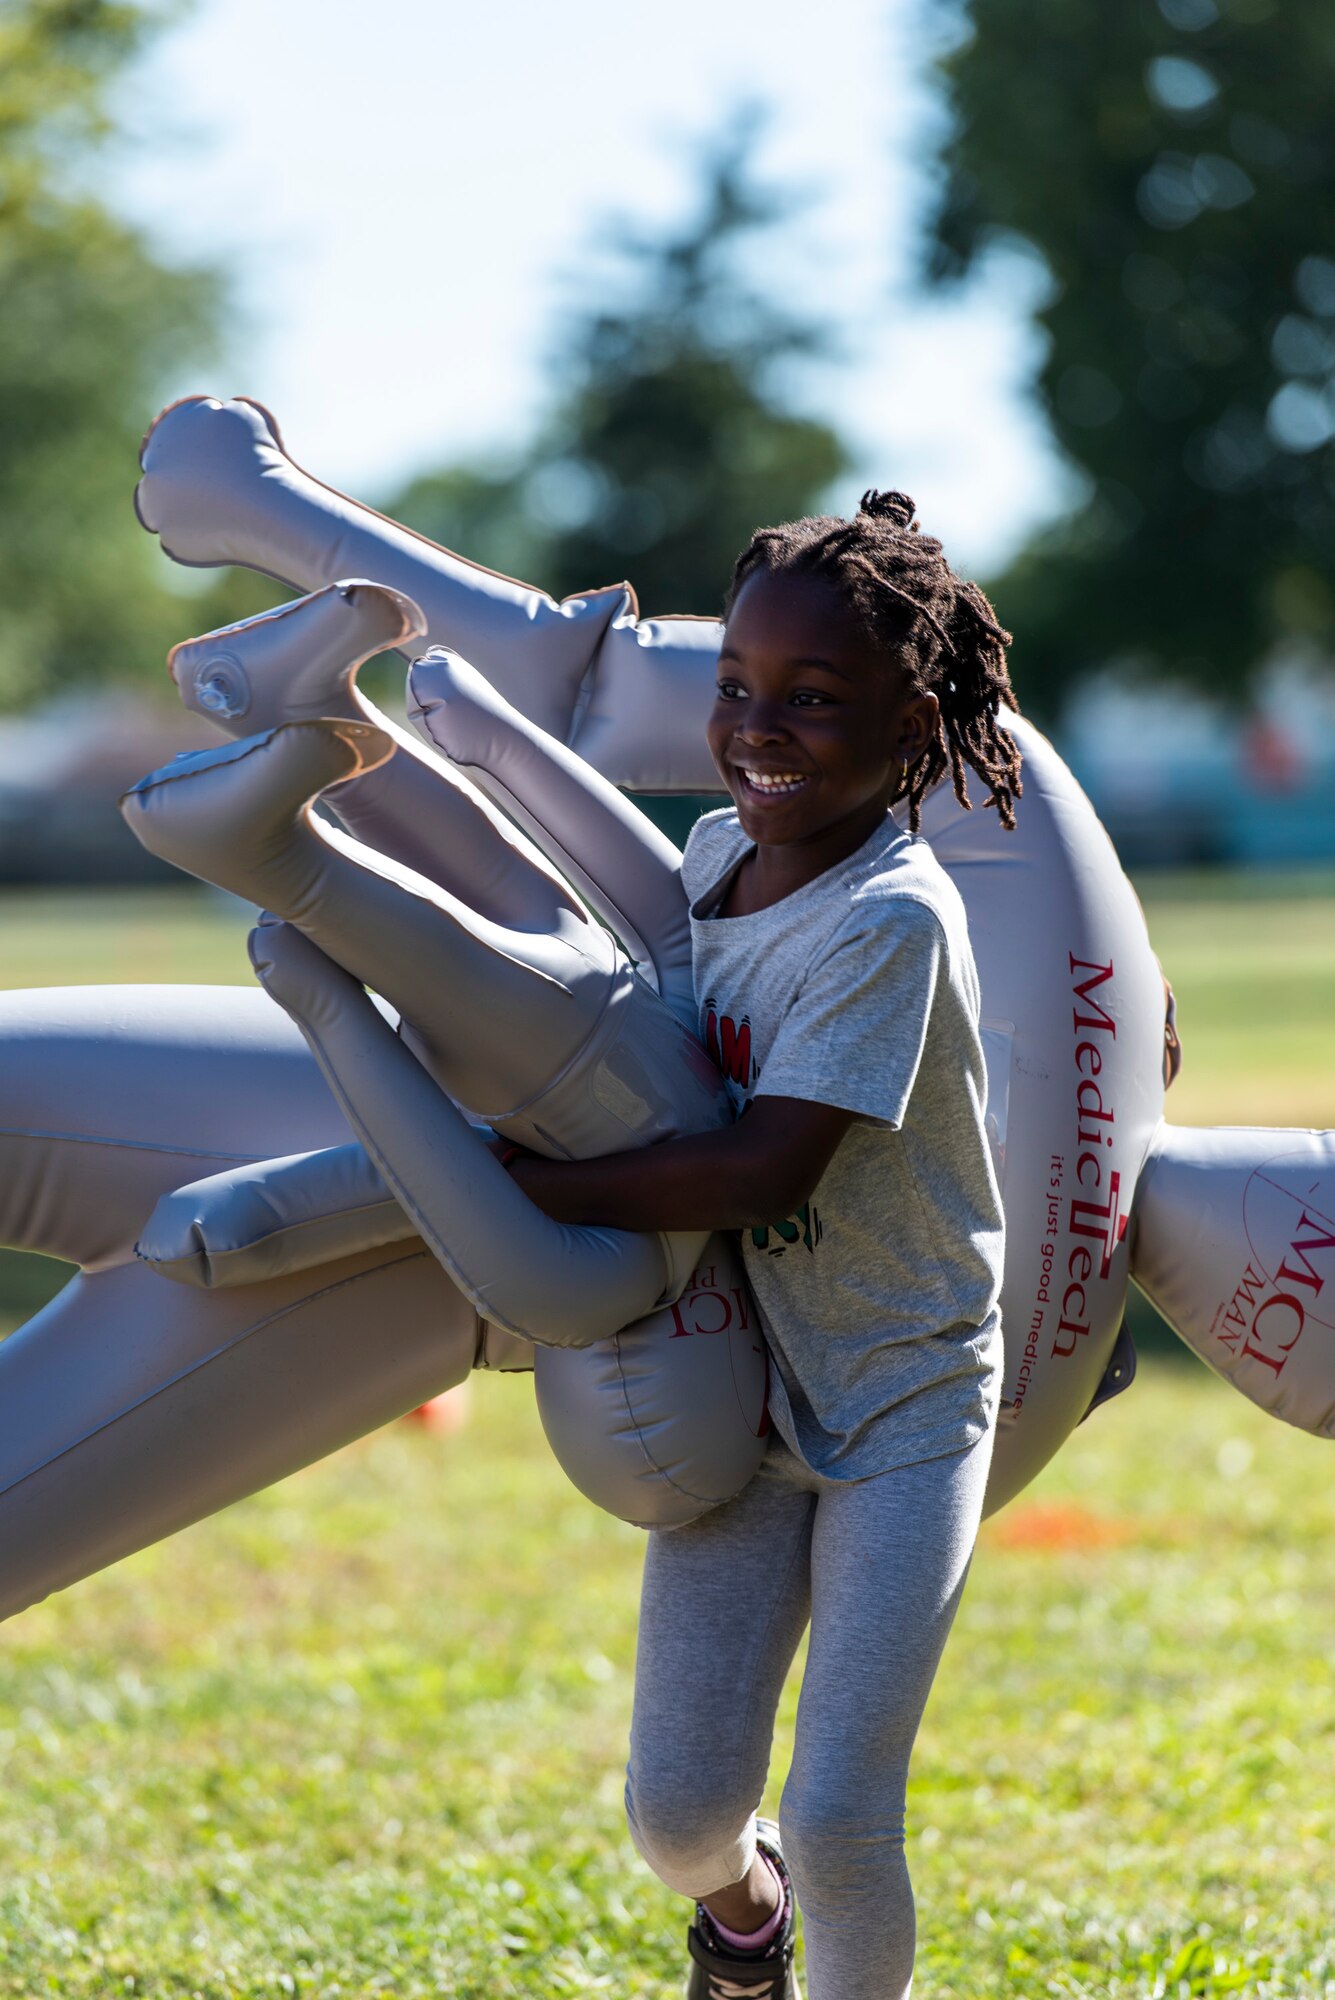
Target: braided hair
942	632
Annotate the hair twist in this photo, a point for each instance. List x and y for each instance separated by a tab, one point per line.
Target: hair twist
940	630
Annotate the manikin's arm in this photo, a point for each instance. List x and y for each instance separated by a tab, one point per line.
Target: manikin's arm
764	1166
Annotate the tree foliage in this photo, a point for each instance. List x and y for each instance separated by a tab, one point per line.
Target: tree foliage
91	326
1174	165
671	435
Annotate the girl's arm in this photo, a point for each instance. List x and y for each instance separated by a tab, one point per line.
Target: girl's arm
760	1169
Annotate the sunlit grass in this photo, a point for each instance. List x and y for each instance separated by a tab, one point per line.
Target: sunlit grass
114	937
1252	961
364	1734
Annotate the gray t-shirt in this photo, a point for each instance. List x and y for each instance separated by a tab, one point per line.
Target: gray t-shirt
879	1298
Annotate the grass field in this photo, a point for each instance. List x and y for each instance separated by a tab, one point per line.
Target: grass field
1252	961
363	1735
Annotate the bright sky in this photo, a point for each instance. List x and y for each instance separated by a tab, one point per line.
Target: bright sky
405	204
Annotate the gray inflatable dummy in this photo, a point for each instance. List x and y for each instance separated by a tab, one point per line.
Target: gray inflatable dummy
239	817
540	1024
131	1406
1074	1013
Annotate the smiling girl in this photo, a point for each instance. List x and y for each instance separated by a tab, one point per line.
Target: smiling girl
835	981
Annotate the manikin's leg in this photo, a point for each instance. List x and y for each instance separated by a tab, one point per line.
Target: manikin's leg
650	1420
129	1407
132	1407
531	1276
622	865
238	817
299	663
219	488
302	660
517	1026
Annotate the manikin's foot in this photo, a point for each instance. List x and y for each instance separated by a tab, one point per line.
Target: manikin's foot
238	816
210	470
297	662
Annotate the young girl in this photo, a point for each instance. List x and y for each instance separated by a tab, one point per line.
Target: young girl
835	983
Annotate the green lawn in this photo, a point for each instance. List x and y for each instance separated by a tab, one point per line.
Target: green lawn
363	1735
94	937
1252	961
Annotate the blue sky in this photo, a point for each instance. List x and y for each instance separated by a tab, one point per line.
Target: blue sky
405	193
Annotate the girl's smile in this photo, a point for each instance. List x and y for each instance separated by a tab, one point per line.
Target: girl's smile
769	784
811	727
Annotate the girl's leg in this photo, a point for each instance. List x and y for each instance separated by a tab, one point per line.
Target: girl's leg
299	663
724	1604
219	487
888	1561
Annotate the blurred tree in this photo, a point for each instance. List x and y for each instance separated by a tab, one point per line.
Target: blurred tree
1174	165
91	327
672	436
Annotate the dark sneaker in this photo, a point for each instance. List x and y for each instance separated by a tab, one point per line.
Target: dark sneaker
718	1973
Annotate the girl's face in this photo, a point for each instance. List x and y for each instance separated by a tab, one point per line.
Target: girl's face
811	724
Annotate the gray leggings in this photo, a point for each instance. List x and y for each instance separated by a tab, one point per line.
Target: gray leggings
878	1567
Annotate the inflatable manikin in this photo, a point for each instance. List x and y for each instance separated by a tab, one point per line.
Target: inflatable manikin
1230	1232
1072	995
131	1406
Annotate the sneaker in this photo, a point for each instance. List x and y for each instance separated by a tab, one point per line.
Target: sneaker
721	1974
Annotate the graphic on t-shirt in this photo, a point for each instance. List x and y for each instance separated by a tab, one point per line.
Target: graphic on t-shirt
729	1045
803	1227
